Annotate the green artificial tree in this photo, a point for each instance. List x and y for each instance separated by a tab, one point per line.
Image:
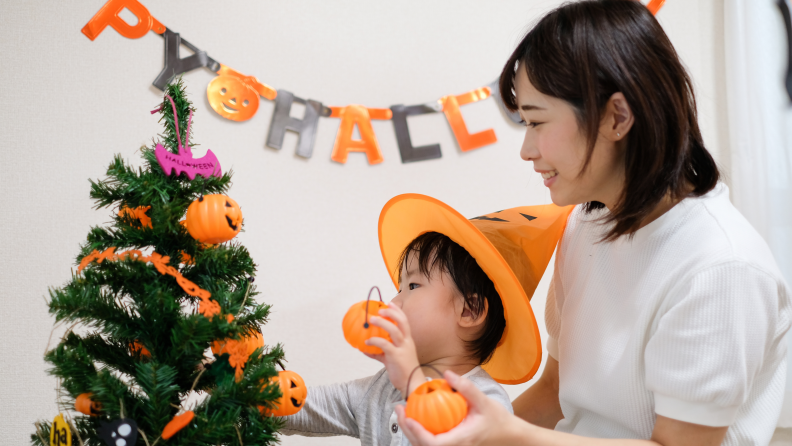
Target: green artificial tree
143	345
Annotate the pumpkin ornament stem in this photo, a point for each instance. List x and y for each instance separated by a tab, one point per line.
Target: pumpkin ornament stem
375	287
357	328
435	404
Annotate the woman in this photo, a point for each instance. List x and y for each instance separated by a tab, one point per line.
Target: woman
666	312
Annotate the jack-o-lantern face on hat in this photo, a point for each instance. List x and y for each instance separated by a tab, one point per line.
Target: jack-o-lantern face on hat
232	98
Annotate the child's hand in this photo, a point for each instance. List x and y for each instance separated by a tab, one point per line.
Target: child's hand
399	357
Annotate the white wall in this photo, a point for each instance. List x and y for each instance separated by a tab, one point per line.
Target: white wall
69	104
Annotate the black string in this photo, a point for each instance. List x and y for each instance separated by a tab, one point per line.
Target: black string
366	324
407	394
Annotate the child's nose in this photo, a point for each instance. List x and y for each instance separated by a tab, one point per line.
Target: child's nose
396	301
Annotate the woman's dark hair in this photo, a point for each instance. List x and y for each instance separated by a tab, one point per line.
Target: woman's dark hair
586	51
438	253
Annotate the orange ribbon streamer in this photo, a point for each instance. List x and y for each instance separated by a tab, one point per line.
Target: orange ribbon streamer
361	116
466	141
108	15
207	307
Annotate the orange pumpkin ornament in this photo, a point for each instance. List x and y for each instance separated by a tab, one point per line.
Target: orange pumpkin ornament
178	423
436	405
214	219
84	404
294	393
357	328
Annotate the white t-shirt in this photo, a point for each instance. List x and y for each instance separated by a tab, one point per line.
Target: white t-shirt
686	320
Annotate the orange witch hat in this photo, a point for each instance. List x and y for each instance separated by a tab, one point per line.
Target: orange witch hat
512	246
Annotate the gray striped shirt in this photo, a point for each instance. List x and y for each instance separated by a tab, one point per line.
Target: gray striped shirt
364	409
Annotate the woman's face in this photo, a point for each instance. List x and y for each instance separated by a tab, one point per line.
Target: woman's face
555	144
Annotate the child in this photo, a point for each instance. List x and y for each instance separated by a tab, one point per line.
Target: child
460	282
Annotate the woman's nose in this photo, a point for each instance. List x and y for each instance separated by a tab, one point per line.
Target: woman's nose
528	150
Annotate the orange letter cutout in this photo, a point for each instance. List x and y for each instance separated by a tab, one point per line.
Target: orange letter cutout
362	116
108	15
466	141
655	6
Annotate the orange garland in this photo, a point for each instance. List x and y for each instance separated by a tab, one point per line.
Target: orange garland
207	307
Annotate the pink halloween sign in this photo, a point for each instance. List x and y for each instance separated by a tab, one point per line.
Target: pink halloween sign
206	166
170	162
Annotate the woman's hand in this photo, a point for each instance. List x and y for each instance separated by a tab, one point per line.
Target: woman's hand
399	356
487	422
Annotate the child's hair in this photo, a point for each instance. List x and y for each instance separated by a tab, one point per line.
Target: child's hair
586	51
438	253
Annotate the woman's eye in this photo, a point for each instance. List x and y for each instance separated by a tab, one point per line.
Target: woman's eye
532	124
413	286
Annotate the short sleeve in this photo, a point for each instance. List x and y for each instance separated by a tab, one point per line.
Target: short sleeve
552	313
713	336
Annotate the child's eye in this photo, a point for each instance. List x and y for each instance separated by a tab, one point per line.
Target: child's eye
413	286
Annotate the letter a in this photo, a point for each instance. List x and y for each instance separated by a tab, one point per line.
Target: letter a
352	115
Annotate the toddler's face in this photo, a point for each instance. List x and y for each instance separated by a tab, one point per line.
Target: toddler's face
433	307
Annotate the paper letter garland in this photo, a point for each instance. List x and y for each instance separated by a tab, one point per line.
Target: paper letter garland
235	96
465	140
361	116
305	127
108	15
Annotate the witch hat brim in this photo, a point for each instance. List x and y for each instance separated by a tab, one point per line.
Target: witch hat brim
512	246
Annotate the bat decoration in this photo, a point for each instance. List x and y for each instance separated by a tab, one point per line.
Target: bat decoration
183	161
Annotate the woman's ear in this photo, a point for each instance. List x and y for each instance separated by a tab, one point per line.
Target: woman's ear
466	319
618	118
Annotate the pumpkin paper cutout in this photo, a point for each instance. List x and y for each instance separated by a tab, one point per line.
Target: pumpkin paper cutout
214	219
466	141
238	351
60	433
84	404
294	394
361	116
138	213
139	348
178	423
235	96
251	343
357	328
108	15
437	406
121	432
